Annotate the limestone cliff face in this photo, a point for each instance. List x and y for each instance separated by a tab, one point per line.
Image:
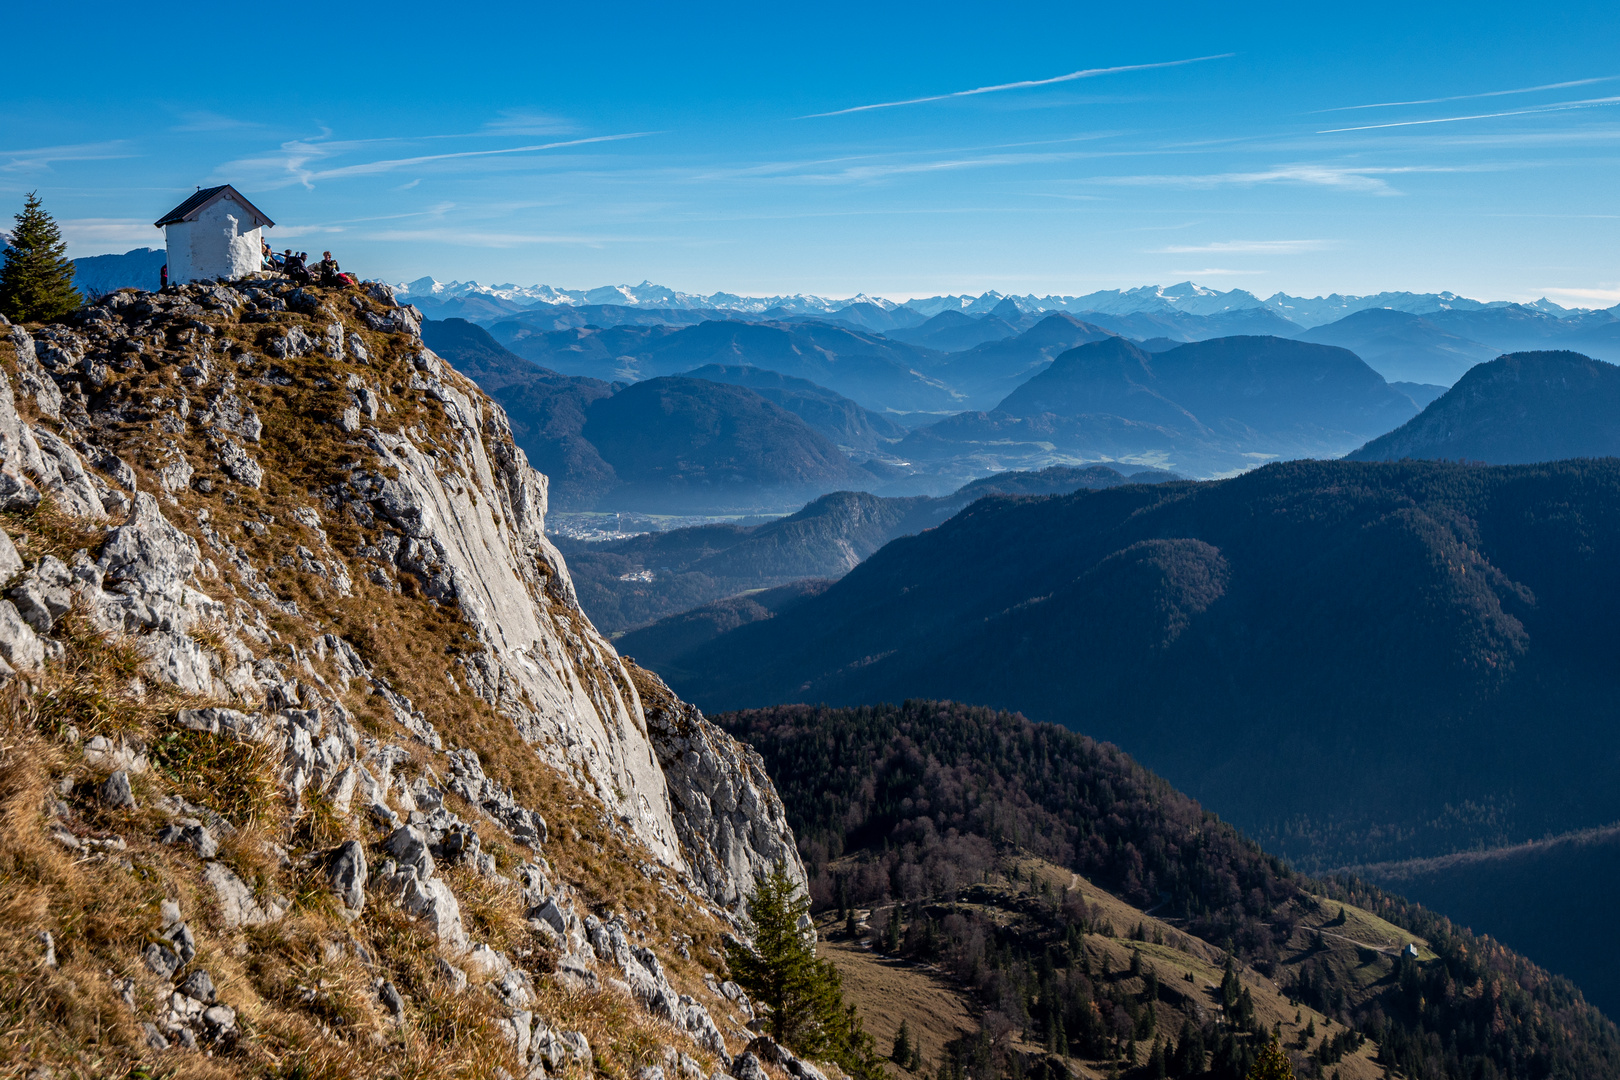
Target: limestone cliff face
730	821
448	502
281	628
468	520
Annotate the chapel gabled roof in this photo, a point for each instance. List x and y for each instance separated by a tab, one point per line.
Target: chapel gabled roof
205	197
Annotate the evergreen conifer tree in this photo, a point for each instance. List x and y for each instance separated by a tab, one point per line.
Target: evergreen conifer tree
36	281
802	996
1272	1064
901	1054
1190	1056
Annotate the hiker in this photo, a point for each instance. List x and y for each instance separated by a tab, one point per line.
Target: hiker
163	278
296	269
328	270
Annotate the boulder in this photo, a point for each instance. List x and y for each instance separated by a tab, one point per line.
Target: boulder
409	845
44	594
11	563
238	906
161	960
115	791
200	985
238	464
16	494
19	645
62	474
346	874
193	833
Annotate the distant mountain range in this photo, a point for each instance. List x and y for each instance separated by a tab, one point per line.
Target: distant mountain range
1407	337
852	428
1446	334
1206	408
883	375
666	445
133	268
988	372
1359	662
1400	345
1516	409
426	293
141	268
1186	298
626	584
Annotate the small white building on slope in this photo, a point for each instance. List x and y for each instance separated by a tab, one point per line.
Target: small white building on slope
214	235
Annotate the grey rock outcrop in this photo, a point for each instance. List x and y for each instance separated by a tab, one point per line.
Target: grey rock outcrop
44	594
239	905
448	509
730	821
346	874
115	791
475	535
769	1050
20	647
644	974
11	563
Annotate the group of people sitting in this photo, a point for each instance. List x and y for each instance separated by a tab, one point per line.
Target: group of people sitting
296	266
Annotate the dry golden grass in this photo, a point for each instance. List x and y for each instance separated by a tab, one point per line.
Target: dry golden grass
305	987
936	1008
889	991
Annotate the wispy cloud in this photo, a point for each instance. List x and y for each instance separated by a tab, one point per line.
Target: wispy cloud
1344	177
854	168
499	238
296	161
371	167
42	157
1243	247
1561	106
344	225
1475	97
1215	271
519	122
210	121
1024	84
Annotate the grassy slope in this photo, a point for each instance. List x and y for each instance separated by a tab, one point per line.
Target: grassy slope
1547	899
307	1001
947	807
889	989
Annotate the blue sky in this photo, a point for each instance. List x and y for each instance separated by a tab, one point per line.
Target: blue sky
1308	148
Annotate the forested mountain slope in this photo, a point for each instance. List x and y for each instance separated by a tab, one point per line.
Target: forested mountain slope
1353	661
939	813
667	445
630	583
1516	409
841	420
1535	898
1400	345
879	373
1207	408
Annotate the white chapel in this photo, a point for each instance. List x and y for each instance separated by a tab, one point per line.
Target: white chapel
214	235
